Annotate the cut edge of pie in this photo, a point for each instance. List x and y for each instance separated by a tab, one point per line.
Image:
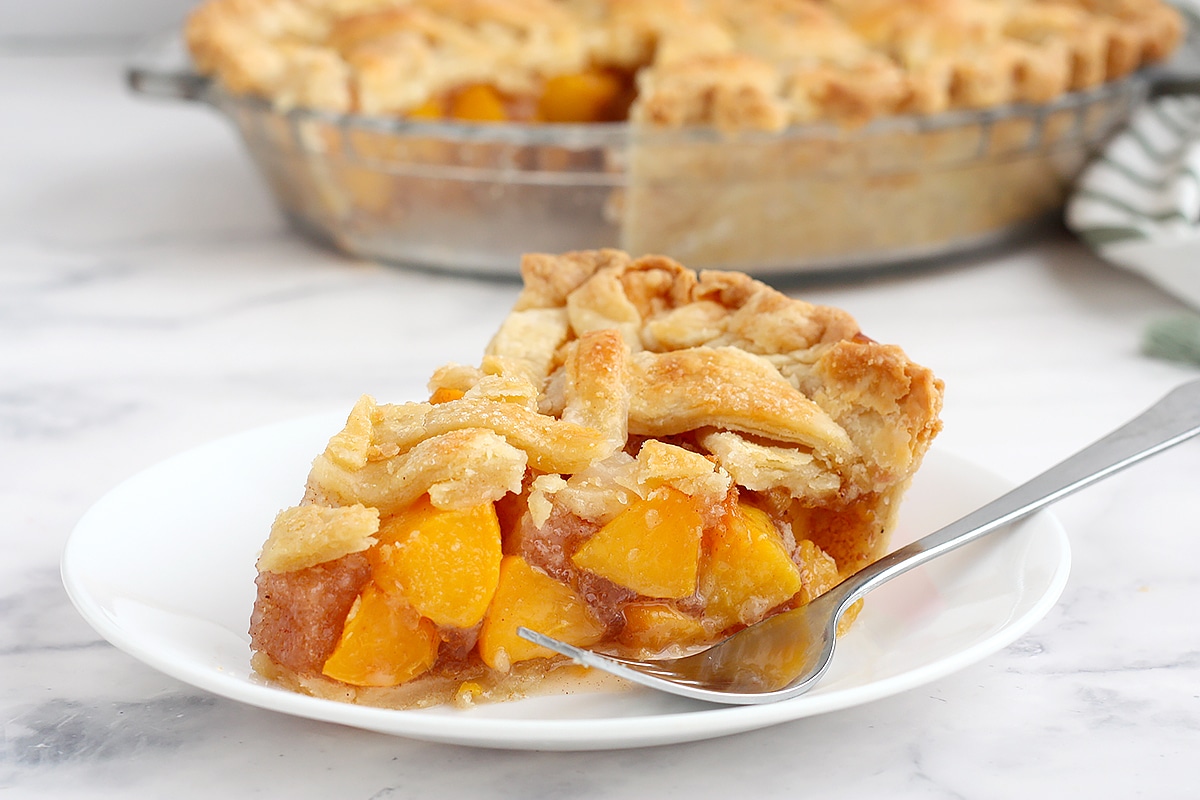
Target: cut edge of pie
645	460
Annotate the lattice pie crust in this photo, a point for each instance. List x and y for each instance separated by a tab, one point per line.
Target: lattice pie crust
743	64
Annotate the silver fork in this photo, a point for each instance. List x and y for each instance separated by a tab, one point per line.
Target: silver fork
784	656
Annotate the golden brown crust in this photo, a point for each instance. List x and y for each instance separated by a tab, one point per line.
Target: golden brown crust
729	389
763	380
598	385
734	64
770	387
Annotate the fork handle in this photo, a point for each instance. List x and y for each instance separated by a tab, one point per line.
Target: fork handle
1173	419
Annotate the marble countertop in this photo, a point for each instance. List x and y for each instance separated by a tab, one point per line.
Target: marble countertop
151	299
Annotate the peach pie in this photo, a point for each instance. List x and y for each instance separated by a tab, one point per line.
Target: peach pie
744	64
645	461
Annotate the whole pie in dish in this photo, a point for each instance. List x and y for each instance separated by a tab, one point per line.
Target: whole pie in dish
768	136
734	64
645	461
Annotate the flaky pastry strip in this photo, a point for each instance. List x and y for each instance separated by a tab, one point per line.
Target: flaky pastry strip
531	336
458	469
549	279
600	303
660	463
888	405
597	385
306	535
552	445
516	389
730	389
351	447
760	467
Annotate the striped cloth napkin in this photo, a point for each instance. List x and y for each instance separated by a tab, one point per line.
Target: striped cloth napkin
1138	203
1138	206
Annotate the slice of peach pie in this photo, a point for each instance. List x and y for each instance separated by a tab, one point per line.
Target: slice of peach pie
645	461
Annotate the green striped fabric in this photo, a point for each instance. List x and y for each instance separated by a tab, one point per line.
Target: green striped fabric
1138	203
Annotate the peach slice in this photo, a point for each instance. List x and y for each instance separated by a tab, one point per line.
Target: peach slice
652	547
747	570
529	597
384	642
445	395
478	103
818	570
579	97
820	574
430	109
652	626
445	563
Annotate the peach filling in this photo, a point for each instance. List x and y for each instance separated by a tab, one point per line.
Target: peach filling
595	95
444	591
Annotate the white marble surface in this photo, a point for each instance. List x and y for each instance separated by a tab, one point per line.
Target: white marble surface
151	299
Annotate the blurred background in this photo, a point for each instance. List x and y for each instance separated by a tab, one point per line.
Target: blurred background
86	23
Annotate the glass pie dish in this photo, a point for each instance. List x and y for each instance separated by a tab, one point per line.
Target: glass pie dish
471	198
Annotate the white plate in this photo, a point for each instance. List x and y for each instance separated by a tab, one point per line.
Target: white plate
163	567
